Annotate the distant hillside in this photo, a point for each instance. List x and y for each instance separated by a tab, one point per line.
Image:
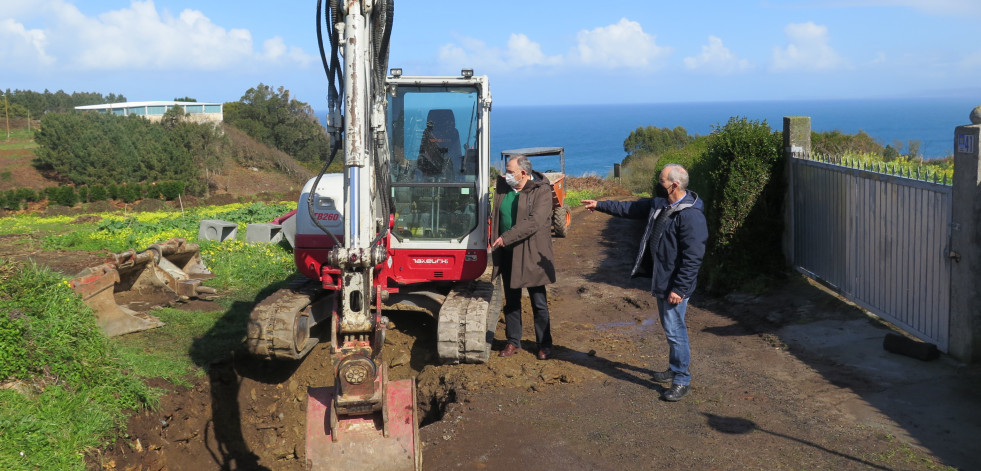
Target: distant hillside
251	169
256	168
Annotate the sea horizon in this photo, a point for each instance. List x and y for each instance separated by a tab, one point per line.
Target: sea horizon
593	135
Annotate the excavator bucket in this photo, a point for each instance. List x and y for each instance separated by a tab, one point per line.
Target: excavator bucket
130	283
386	440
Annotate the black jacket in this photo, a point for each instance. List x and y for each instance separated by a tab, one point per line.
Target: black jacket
672	262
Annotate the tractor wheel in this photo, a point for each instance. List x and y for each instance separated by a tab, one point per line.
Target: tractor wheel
561	220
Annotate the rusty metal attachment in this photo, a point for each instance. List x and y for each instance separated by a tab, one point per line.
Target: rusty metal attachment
130	283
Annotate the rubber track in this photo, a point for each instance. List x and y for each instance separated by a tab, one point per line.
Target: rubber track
270	330
467	321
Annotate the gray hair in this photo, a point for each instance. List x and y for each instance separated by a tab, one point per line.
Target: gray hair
678	174
523	162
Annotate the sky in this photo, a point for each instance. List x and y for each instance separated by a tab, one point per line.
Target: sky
540	52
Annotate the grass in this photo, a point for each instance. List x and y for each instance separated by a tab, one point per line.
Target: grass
19	139
71	388
73	385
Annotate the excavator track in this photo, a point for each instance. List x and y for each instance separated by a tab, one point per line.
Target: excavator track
467	321
279	326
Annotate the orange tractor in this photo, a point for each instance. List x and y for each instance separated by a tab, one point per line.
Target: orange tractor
561	217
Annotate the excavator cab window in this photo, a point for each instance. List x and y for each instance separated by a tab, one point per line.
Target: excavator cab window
433	132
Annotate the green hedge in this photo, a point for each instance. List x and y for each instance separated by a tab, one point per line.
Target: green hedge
13	200
744	164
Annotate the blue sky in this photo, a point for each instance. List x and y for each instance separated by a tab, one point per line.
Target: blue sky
535	52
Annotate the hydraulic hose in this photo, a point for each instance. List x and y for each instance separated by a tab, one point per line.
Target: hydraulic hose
332	102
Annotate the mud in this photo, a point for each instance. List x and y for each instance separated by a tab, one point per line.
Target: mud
758	402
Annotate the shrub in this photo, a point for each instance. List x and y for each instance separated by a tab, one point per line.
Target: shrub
129	193
171	190
27	194
9	200
98	193
745	214
65	196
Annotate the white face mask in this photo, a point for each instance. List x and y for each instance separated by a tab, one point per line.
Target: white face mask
510	178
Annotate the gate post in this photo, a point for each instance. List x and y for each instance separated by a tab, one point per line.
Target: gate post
796	141
965	250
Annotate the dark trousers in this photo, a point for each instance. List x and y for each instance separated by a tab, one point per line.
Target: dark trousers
512	310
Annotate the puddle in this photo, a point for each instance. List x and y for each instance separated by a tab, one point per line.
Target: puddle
626	324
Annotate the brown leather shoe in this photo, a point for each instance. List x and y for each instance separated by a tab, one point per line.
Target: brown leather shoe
544	352
509	350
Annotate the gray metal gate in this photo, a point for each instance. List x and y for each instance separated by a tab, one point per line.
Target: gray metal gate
881	240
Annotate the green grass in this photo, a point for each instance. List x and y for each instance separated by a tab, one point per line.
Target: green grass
75	384
19	139
116	232
574	198
73	388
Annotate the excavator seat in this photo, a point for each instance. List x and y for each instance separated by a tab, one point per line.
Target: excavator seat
440	145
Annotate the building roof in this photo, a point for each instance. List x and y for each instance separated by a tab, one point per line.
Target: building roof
133	104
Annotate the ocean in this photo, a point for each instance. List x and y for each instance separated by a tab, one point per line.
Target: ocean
593	135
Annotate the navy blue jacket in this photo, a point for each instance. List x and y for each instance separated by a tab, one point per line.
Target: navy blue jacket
672	262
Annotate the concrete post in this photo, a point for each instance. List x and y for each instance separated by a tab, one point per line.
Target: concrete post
965	246
796	141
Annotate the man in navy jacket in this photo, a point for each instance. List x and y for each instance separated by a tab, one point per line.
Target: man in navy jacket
671	254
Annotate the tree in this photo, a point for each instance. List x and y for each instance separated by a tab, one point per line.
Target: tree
654	140
173	117
914	148
838	143
275	119
95	148
187	99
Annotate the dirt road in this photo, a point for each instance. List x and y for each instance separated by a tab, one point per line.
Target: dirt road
757	403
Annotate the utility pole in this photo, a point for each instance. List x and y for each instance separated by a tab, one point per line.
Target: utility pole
6	112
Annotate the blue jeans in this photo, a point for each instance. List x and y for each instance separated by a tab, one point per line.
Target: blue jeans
676	331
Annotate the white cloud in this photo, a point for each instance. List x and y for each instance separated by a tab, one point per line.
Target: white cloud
525	52
808	50
717	59
621	45
142	38
19	45
624	44
521	52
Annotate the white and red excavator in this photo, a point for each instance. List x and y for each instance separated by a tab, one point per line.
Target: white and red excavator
405	223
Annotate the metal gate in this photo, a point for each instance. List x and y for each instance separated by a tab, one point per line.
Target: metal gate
881	240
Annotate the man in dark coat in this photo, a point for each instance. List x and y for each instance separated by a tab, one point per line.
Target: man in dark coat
521	231
671	254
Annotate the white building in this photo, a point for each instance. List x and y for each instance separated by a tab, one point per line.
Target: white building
154	110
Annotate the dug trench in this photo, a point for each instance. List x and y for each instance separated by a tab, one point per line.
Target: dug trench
756	402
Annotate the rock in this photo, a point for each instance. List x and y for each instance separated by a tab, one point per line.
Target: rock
400	359
976	115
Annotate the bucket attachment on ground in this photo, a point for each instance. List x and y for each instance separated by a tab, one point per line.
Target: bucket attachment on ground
385	440
130	283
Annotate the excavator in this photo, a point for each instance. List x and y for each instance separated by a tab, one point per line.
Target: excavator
405	223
